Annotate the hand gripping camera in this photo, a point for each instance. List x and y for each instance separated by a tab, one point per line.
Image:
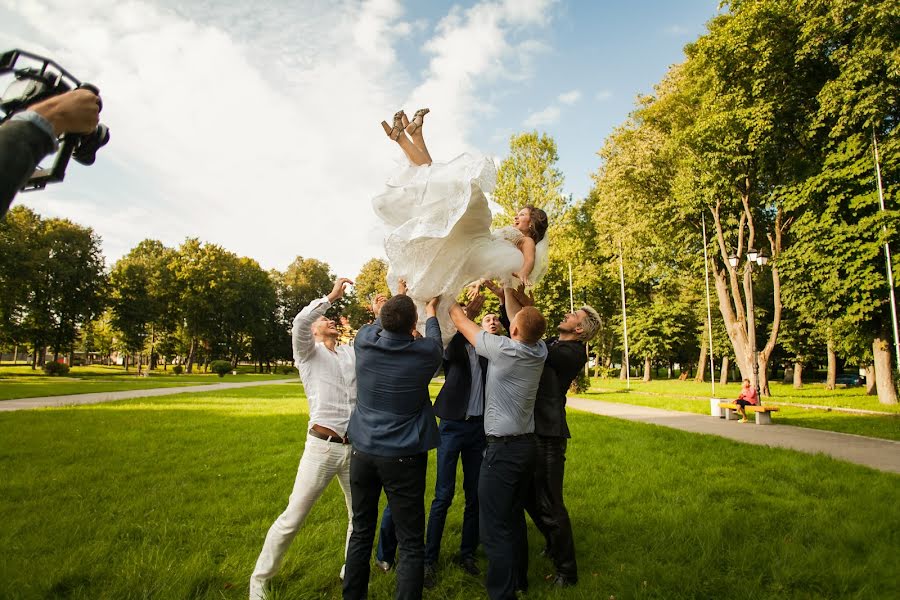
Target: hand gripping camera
41	79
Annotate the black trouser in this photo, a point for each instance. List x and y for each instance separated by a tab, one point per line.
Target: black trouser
505	479
546	507
403	480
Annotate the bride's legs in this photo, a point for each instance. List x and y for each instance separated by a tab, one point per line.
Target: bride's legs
414	129
414	155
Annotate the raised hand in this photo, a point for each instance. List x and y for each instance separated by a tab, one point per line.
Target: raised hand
521	297
474	306
338	290
431	307
377	303
492	285
401	287
473	289
523	279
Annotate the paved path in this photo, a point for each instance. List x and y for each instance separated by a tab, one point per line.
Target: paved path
871	452
45	401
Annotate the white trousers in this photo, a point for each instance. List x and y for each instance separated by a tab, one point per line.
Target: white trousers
320	463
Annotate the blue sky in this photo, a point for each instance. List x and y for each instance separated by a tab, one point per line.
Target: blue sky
255	125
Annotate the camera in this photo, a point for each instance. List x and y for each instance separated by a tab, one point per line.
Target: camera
36	79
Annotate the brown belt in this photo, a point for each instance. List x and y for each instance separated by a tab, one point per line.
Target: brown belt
329	438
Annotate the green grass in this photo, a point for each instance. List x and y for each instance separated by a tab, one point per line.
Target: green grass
22	382
693	397
172	498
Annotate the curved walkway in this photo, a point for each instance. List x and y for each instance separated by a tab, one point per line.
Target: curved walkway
73	399
871	452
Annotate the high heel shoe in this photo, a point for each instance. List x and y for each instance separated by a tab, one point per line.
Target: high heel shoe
397	127
417	120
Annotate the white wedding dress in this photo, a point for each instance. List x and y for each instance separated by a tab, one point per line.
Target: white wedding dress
440	236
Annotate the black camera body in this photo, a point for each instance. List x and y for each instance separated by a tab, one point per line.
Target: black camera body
42	78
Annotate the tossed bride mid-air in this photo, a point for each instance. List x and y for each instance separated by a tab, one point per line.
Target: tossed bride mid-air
439	223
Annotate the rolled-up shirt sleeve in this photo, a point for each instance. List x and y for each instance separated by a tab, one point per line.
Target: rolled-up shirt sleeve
302	339
489	345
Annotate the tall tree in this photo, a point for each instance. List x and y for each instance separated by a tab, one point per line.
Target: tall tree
529	175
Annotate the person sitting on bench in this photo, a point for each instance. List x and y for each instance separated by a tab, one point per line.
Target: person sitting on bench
748	396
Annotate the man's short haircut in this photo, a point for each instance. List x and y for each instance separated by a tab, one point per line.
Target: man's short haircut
590	324
532	324
398	315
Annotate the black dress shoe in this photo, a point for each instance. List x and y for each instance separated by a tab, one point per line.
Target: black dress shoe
468	565
562	581
430	577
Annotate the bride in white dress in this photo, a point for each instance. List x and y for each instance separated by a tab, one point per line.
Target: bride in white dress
439	223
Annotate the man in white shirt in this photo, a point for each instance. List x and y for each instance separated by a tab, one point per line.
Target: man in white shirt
328	372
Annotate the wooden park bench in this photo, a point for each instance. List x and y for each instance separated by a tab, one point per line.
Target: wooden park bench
763	413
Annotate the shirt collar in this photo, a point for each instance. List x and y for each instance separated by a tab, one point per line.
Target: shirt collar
394	336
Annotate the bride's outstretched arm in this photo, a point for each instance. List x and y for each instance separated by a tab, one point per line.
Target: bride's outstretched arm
528	251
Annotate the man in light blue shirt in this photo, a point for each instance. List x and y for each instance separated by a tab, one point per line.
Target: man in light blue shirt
513	373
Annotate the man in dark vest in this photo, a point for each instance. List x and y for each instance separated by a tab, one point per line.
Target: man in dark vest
566	356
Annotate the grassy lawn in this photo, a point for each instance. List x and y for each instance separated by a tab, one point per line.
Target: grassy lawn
688	396
22	382
171	498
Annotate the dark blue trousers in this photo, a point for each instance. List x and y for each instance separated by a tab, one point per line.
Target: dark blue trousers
403	481
505	481
459	440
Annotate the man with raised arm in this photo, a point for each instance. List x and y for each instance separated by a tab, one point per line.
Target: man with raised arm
566	356
329	380
513	371
392	430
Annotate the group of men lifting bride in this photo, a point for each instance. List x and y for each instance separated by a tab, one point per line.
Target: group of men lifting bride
501	407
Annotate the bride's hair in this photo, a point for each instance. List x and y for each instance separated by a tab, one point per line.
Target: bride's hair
539	223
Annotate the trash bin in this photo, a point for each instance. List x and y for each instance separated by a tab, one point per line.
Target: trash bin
714	408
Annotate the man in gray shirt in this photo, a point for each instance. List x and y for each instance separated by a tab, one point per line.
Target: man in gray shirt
514	370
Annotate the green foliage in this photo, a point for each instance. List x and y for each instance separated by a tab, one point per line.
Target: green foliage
580	384
177	369
529	175
54	368
220	367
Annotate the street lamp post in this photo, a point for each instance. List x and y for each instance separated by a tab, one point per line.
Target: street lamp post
760	259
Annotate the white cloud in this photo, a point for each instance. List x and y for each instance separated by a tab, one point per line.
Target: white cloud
570	97
547	116
603	95
256	127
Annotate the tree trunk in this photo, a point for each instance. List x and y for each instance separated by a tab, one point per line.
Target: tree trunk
884	374
832	367
190	360
871	388
763	367
798	375
15	354
647	369
701	366
140	362
723	377
623	374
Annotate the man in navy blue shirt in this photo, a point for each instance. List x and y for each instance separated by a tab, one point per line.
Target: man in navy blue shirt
391	431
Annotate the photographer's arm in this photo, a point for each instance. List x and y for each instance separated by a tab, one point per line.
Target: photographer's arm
22	146
31	135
